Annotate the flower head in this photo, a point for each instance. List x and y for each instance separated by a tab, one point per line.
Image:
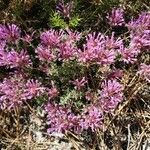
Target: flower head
33	89
53	92
116	17
51	38
141	40
140	24
16	59
45	54
11	92
65	9
79	83
112	42
91	118
129	55
111	95
10	32
14	91
60	118
67	51
98	49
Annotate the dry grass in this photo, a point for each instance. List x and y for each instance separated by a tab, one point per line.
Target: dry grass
13	9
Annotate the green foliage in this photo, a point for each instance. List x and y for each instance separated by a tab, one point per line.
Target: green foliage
67	71
40	100
57	21
72	97
74	22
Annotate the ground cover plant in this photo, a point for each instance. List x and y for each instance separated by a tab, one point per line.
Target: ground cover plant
92	86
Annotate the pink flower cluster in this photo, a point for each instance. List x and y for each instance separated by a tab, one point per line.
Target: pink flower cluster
14	59
9	33
14	91
129	55
140	31
97	92
110	95
62	119
9	56
116	17
92	117
139	38
57	45
100	49
141	23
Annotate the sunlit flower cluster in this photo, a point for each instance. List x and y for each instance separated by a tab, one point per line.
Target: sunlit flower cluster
63	70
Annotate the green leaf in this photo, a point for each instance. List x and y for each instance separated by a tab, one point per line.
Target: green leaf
57	21
71	96
74	22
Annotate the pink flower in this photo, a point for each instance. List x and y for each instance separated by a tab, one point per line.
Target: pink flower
129	55
144	71
10	32
51	38
91	118
87	56
116	17
106	57
111	95
141	40
73	36
14	59
33	89
79	83
66	51
96	50
20	60
140	33
60	119
53	92
140	24
45	54
95	41
112	43
15	90
11	92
